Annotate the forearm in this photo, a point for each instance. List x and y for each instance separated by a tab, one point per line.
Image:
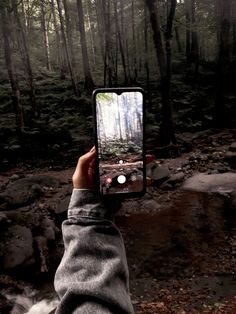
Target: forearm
93	274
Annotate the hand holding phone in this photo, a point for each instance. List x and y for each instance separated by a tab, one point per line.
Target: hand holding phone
119	129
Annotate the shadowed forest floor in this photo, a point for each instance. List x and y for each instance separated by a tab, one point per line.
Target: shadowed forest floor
180	245
178	263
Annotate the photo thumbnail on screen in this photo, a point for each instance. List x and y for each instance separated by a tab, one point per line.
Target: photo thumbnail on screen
120	141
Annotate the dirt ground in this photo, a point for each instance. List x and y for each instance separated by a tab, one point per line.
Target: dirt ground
194	270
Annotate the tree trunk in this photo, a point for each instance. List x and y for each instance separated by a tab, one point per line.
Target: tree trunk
88	84
100	26
45	36
69	34
24	16
194	51
224	7
116	42
60	49
108	58
168	37
16	97
91	34
234	39
167	129
146	45
124	40
134	43
65	44
120	43
178	39
22	42
188	32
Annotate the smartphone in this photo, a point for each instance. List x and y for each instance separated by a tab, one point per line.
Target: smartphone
119	138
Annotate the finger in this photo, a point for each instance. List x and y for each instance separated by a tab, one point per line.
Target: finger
92	163
85	160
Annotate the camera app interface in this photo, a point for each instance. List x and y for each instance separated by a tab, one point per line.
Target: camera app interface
120	142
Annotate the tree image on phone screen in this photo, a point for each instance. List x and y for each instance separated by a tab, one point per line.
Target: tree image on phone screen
120	141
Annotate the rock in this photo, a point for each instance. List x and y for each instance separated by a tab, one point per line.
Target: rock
16	247
42	180
19	195
3	219
48	228
24	216
149	206
230	157
24	191
158	173
215	171
232	147
14	177
224	183
43	253
166	186
62	205
37	222
176	178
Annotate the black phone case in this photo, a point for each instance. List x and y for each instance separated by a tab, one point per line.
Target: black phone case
120	91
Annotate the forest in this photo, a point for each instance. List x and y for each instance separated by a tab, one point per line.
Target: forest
180	237
53	54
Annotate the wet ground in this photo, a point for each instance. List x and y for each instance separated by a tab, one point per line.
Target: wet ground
186	259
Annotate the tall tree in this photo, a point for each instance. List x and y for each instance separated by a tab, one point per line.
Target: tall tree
164	60
91	31
23	45
135	72
65	44
16	97
124	33
69	33
61	58
120	41
224	10
100	25
45	35
194	52
188	31
88	84
109	64
146	49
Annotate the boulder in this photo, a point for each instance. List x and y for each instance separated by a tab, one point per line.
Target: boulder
62	205
24	191
16	247
37	222
19	195
224	183
157	173
232	147
176	178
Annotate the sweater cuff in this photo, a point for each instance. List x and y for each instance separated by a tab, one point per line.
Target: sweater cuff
87	203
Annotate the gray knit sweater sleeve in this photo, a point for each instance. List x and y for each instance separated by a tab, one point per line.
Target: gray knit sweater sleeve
93	274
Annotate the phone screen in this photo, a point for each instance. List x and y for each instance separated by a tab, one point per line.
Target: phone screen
119	129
